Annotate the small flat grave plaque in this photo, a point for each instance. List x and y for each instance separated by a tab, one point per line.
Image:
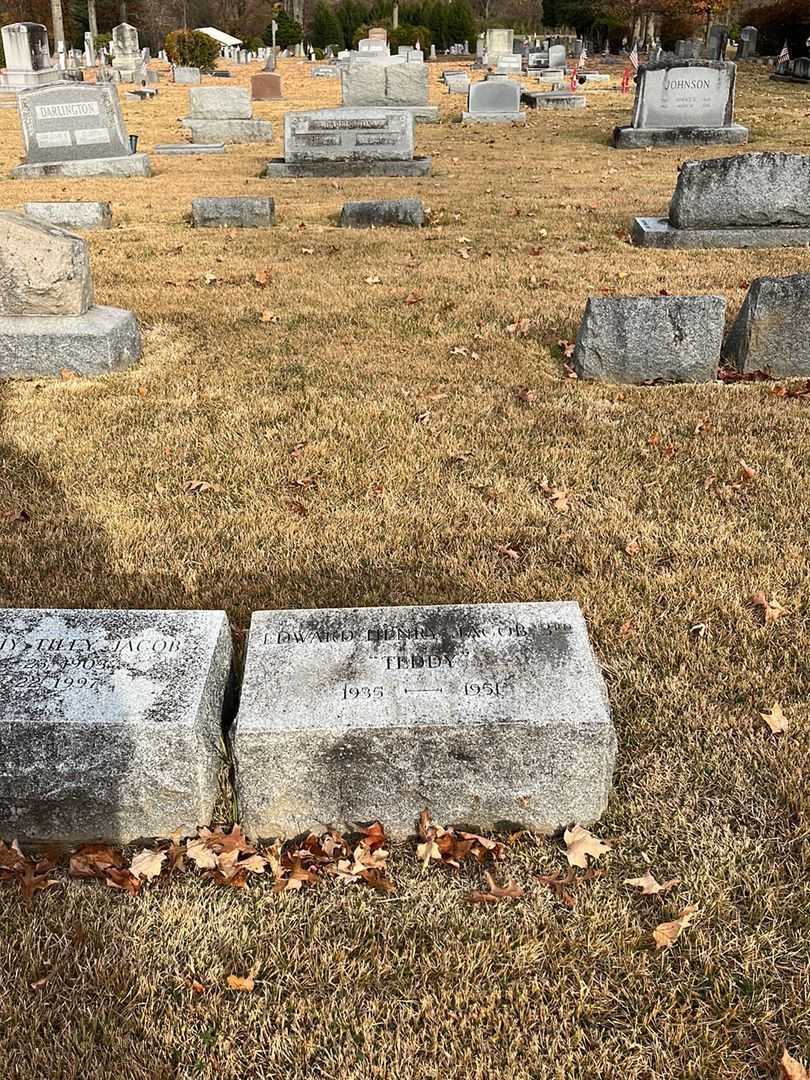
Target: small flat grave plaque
487	714
110	721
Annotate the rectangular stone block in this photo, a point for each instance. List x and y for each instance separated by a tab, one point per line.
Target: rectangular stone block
486	714
746	190
187	76
130	165
188	149
348	134
233	213
630	138
406	84
658	233
102	340
382	213
554	100
494	96
72	215
110	722
772	330
685	93
649	339
363	84
220	103
229	131
43	270
266	87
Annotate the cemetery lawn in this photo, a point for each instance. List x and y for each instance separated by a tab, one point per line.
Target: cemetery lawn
342	418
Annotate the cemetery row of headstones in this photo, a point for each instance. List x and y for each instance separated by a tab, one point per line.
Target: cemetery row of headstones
112	721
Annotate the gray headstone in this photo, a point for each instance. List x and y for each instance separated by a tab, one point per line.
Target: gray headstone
382	212
348	134
486	714
767	188
43	270
556	56
27	56
187	76
71	215
240	212
72	122
772	330
639	339
494	96
220	103
110	721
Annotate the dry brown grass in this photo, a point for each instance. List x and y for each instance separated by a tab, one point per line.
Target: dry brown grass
351	985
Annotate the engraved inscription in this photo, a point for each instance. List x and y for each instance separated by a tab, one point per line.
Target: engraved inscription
69	109
53	138
347	125
376	140
92	136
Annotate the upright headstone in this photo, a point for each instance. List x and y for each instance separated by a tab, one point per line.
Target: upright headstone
224	115
495	101
389	85
89	51
349	142
73	129
485	714
126	51
716	44
748	42
772	331
498	43
110	722
28	57
48	321
556	57
756	200
266	87
683	102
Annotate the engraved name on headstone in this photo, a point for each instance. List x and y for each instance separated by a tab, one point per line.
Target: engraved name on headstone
485	713
69	122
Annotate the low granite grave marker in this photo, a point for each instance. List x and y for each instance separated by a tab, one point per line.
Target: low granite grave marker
398	86
772	330
495	101
382	213
682	102
75	129
48	321
348	142
239	212
110	722
486	714
649	339
71	215
224	114
755	200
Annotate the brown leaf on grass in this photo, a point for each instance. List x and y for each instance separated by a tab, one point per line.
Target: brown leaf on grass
293	874
649	886
34	878
510	891
148	864
559	884
509	551
771	610
66	373
119	878
245	985
747	472
581	844
268	317
520	328
197	487
200	853
559	497
13	517
413	298
94	860
451	848
792	1069
566	348
632	547
667	933
262	278
775	719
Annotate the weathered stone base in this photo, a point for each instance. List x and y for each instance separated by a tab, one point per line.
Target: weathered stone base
71	215
493	118
658	233
30	80
630	138
559	100
279	169
103	339
131	165
187	149
233	213
382	213
229	131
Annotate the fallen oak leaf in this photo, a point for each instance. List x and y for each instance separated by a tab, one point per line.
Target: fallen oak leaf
148	864
775	719
245	985
649	886
201	854
666	934
510	891
94	860
581	844
771	610
791	1069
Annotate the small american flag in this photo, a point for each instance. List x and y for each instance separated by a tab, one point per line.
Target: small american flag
634	56
784	55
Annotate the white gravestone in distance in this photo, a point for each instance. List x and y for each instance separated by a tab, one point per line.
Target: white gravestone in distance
110	722
75	129
498	43
486	714
28	57
126	51
495	101
683	102
349	142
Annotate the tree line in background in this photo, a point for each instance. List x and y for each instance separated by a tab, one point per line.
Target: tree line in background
433	22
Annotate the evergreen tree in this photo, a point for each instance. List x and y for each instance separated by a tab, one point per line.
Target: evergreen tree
351	14
289	31
325	28
461	23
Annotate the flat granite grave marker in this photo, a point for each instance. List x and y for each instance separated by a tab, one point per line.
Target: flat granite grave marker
238	212
755	200
486	714
75	129
683	102
71	215
110	722
772	330
382	213
649	339
348	142
224	114
48	321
